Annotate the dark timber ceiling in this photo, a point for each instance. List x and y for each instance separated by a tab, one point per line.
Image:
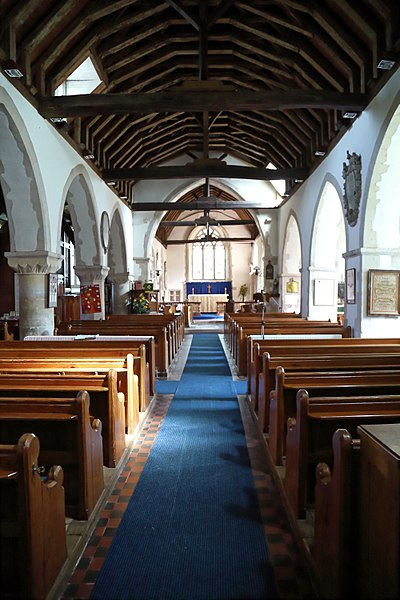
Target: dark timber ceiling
262	80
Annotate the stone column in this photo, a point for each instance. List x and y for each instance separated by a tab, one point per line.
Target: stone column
93	275
33	269
141	268
121	284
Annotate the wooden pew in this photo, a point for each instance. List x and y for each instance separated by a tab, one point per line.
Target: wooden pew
309	435
336	520
329	358
107	404
69	435
315	345
356	532
174	324
107	328
33	545
331	383
100	345
132	371
300	328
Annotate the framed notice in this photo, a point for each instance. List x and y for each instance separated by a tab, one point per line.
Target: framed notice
324	292
351	286
383	292
53	287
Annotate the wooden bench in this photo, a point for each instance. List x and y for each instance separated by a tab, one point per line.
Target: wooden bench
108	328
132	371
331	383
100	345
329	358
356	525
289	331
106	403
257	345
309	435
263	325
174	324
69	436
33	545
336	518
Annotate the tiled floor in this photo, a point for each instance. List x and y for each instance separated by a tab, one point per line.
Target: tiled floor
286	556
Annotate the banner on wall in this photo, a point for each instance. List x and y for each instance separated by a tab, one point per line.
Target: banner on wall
90	299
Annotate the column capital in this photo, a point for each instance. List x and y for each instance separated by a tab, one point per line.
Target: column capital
119	278
37	261
91	273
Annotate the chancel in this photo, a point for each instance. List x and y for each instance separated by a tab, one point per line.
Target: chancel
210	294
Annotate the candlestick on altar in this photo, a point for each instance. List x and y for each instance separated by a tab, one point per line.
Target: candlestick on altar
192	290
224	290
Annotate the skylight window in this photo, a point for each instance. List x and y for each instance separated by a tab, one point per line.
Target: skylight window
279	184
81	81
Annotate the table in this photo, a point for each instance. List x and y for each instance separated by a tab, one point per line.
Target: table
208	302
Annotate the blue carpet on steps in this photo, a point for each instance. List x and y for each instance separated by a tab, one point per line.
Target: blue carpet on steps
192	529
208	316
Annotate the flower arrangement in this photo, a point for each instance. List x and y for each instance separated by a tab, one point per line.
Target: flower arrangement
243	291
140	305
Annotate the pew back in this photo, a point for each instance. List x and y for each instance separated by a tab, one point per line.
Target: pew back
32	521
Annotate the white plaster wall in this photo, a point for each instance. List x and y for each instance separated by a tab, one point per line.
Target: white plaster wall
55	160
361	138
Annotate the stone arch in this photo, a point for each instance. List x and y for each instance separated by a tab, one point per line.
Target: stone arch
22	185
381	228
291	266
328	245
117	257
79	196
174	196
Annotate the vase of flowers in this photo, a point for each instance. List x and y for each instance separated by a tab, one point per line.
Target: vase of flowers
243	291
140	305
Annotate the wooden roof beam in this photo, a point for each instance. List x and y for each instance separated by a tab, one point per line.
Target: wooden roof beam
204	170
92	104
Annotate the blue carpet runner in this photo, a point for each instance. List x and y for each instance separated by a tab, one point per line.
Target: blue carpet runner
208	316
192	529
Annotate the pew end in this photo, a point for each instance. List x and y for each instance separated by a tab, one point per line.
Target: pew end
32	522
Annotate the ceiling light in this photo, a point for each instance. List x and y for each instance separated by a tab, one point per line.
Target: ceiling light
111	183
11	69
87	154
298	180
124	197
386	64
320	153
349	115
58	119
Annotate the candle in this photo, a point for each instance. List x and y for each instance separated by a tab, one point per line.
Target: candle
224	290
192	290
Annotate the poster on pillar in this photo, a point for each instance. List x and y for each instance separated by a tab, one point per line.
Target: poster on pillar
90	299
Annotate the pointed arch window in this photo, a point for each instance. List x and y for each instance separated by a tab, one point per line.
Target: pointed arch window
208	256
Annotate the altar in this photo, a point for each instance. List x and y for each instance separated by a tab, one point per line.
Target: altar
208	302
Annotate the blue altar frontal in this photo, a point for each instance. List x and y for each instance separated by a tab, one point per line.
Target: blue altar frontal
209	287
